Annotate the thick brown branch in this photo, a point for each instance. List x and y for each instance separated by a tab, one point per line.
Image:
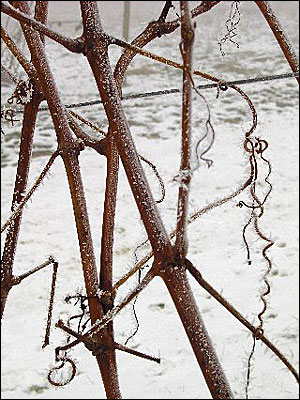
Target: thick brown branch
176	281
69	151
30	114
108	224
113	170
98	58
41	14
28	127
73	45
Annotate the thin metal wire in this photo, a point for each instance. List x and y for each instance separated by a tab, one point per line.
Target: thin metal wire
266	78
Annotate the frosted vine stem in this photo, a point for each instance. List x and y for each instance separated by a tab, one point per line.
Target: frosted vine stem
24	159
51	301
280	35
256	332
100	65
69	153
98	348
27	197
186	47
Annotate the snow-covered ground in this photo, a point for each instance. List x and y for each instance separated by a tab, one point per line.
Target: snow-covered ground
215	240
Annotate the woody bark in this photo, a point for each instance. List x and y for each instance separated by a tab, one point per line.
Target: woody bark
27	133
70	149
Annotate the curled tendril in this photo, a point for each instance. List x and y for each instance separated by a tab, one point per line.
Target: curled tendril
231	26
160	180
63	361
22	93
261	145
81	300
221	86
8	114
258	147
249	146
134	302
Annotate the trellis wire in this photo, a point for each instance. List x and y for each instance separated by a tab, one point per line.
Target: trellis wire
176	90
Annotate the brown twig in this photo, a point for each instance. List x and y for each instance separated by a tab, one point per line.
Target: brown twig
69	151
86	122
99	62
98	145
108	223
41	15
280	35
18	279
186	47
256	332
175	278
101	324
26	144
73	45
14	49
19	200
155	29
51	301
18	207
99	349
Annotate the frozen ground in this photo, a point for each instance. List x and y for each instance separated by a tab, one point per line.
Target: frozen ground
216	246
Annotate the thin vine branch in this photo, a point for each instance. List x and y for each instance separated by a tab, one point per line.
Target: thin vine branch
14	49
32	102
36	184
280	35
259	335
73	45
102	322
69	151
156	29
99	62
186	48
